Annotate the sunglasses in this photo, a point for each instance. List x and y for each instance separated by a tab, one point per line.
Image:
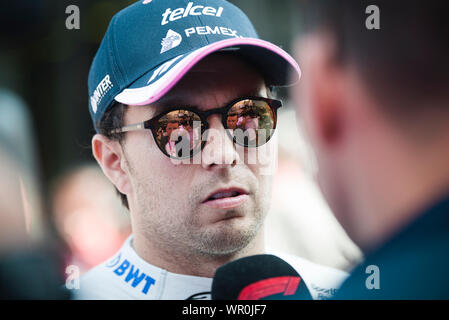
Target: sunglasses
181	132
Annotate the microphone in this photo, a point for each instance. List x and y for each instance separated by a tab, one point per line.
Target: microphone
259	277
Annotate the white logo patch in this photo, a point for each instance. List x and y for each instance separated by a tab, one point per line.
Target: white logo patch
205	30
171	40
93	103
163	68
191	10
102	88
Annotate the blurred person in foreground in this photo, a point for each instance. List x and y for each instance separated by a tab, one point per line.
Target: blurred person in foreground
94	228
300	221
30	265
196	209
375	104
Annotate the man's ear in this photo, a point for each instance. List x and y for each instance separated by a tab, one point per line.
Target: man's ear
321	89
109	155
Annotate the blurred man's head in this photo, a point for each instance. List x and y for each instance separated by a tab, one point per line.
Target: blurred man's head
12	214
88	215
20	197
375	105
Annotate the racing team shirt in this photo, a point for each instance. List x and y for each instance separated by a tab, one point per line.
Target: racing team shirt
127	276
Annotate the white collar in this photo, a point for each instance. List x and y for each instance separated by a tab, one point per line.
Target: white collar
143	280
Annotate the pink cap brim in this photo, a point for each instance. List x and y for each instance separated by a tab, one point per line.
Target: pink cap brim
153	92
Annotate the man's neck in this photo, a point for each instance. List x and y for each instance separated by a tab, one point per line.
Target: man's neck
189	263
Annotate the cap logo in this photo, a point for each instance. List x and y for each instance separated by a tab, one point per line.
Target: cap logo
171	40
190	10
103	87
163	68
205	30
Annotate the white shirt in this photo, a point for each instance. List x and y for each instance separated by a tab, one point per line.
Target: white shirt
127	276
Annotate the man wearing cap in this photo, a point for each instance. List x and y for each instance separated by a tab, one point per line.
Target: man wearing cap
203	205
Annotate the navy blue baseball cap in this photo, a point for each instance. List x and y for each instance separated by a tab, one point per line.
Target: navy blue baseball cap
150	45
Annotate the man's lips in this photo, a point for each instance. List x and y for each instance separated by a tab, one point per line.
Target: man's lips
226	198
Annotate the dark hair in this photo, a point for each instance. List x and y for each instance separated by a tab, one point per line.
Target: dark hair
405	62
113	118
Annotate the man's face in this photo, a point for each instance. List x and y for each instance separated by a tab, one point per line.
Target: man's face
339	119
170	127
231	121
310	96
169	202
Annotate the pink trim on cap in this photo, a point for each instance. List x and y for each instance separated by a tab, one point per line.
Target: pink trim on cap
153	92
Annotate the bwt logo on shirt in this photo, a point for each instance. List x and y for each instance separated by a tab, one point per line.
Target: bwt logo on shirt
133	276
190	10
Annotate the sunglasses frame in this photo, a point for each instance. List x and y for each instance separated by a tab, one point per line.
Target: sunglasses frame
152	124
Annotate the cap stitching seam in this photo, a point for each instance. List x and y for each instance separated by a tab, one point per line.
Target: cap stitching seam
115	51
201	23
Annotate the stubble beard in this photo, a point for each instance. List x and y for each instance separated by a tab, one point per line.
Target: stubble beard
175	232
183	235
228	237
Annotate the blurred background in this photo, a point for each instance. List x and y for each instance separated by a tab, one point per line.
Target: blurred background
45	123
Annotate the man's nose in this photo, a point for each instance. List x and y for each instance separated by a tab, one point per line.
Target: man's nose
219	151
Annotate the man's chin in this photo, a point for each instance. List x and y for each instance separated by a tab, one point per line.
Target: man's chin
227	237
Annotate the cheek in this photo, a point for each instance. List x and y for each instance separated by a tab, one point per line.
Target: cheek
262	160
149	167
145	162
303	117
263	193
330	183
142	151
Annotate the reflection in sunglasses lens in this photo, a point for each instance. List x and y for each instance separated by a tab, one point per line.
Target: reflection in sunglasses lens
180	134
251	122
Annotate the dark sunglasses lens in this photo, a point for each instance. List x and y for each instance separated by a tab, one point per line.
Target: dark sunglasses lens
251	122
178	133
